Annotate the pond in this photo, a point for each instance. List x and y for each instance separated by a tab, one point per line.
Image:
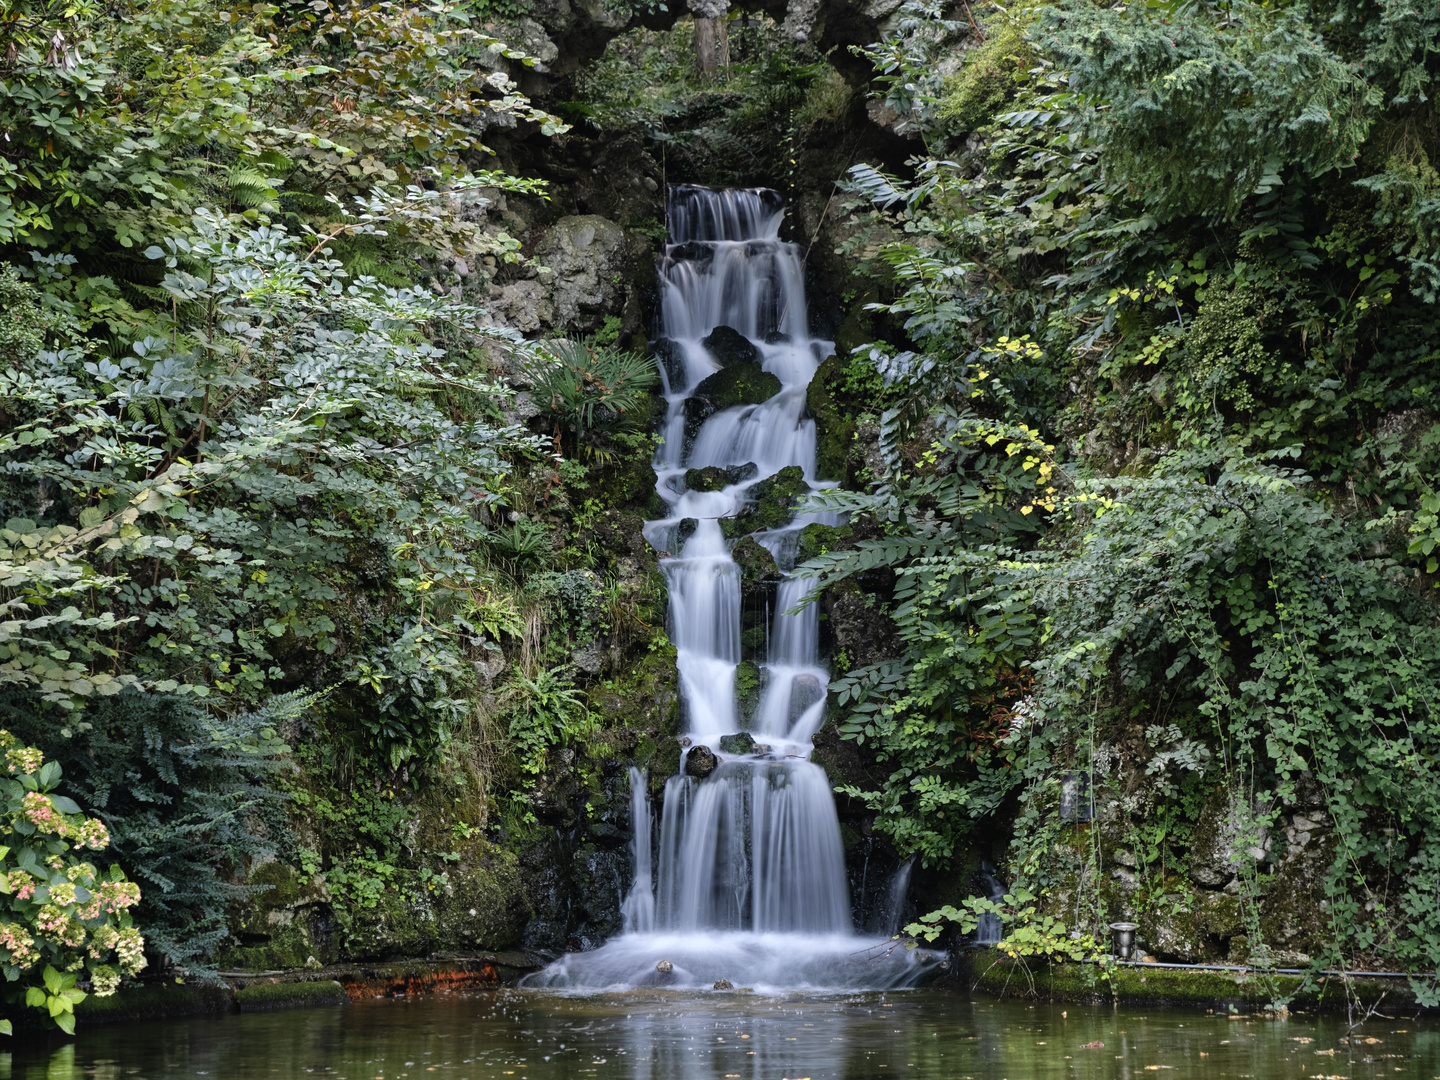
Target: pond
668	1035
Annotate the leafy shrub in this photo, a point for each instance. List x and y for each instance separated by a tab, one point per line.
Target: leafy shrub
183	794
591	390
63	913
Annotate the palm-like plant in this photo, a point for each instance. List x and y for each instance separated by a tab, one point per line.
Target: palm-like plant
590	389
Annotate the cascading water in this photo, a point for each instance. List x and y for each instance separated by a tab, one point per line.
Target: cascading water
751	884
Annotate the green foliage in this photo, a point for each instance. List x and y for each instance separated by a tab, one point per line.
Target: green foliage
738	125
181	791
547	711
290	417
62	911
591	390
1188	278
106	105
1030	932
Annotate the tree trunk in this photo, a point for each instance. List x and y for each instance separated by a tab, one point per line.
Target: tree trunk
712	45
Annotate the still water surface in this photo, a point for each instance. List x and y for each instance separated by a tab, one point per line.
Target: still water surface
660	1035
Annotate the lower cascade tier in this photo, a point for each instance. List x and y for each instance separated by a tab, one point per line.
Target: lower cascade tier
746	961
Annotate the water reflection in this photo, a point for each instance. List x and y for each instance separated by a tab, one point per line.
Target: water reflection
660	1035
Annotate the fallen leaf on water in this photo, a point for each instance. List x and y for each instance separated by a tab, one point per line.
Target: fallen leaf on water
1093	1046
1157	1068
1326	1053
1301	1039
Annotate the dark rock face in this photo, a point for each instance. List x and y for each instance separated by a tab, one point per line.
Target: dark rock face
670	359
700	762
739	743
728	346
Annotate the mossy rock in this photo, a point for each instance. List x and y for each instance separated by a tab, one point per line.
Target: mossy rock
816	539
283	925
153	1001
710	478
756	564
738	384
728	347
773	502
747	689
834	428
264	997
665	763
482	905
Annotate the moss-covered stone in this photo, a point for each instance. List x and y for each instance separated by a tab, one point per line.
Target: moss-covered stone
710	478
834	428
773	502
263	997
738	384
284	924
1145	984
756	564
153	1001
816	539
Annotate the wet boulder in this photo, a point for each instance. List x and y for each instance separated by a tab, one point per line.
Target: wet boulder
744	383
700	762
738	474
671	360
710	478
740	743
805	691
757	565
772	503
728	346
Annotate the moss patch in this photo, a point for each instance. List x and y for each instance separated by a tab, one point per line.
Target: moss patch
1169	986
774	502
154	1001
834	430
301	995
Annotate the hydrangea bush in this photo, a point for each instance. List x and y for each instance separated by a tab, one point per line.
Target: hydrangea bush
65	924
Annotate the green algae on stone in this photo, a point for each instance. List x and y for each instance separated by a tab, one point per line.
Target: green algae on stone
264	997
738	384
834	429
773	503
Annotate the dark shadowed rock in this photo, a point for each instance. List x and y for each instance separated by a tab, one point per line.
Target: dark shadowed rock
700	762
729	346
671	361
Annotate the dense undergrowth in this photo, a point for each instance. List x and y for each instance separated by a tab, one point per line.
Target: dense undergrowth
1156	482
286	579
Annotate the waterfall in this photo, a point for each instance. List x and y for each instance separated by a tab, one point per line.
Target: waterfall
638	909
751	871
988	928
